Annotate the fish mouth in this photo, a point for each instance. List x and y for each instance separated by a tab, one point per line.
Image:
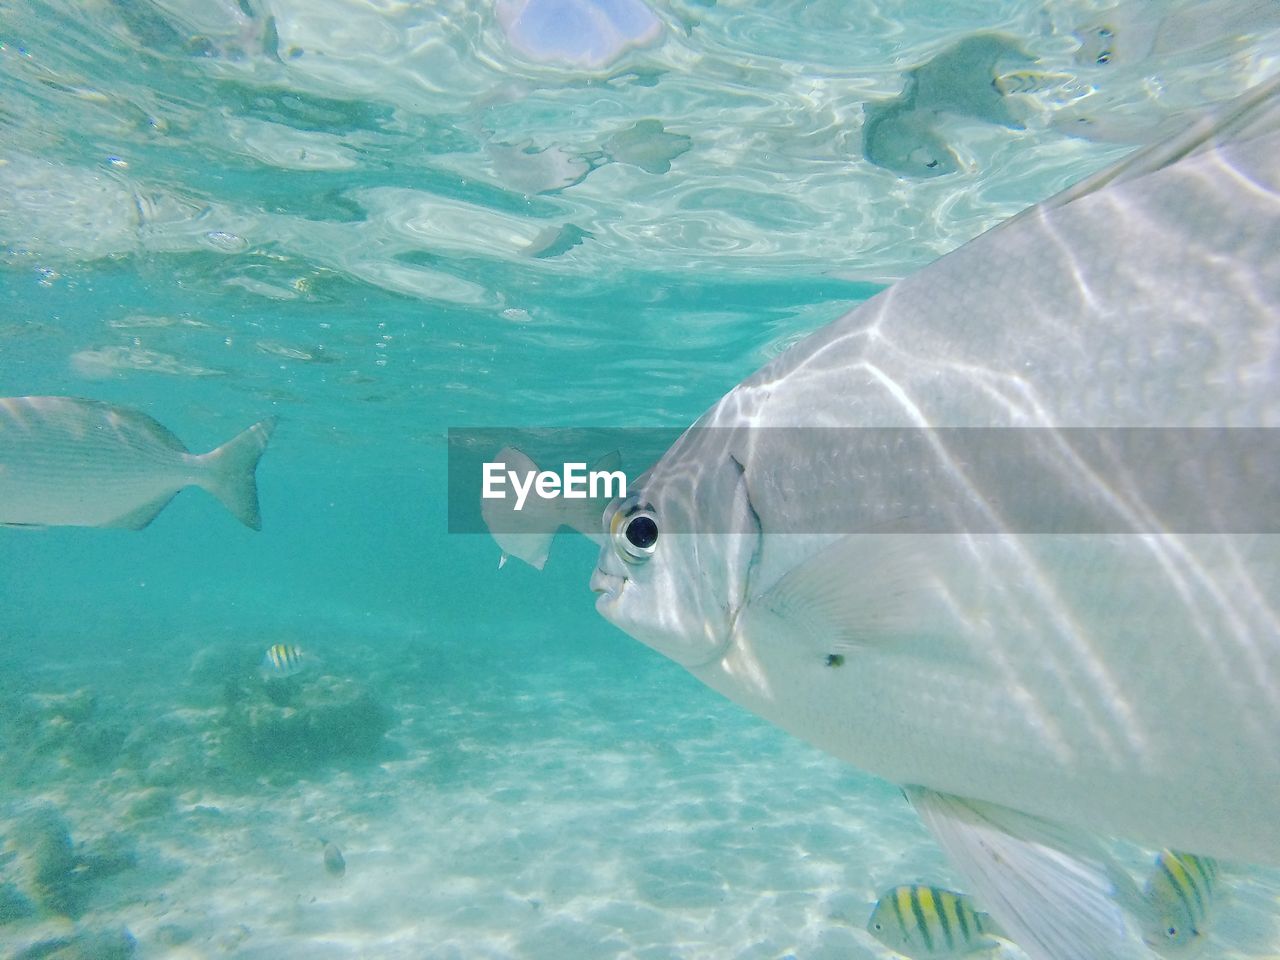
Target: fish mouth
607	587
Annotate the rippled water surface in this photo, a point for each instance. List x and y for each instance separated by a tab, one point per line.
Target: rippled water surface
340	202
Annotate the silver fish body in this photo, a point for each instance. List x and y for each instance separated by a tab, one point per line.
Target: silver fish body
71	462
1116	683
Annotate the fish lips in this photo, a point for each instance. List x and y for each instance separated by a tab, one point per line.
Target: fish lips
608	587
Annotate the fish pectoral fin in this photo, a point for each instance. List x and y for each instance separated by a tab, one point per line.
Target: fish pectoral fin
143	515
1056	894
861	590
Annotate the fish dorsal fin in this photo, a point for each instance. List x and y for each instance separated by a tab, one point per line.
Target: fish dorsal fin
142	425
1253	113
528	534
1054	893
990	926
861	590
585	515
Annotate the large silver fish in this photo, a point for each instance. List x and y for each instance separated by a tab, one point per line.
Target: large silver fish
83	463
1030	689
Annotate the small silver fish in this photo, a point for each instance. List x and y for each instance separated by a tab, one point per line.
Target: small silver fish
924	923
334	862
283	660
1180	894
84	463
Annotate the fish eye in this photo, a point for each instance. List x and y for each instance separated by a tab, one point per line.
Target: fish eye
634	528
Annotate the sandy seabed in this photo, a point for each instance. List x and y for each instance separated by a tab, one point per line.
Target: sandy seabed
532	809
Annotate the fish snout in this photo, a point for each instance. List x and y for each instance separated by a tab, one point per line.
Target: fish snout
607	586
602	582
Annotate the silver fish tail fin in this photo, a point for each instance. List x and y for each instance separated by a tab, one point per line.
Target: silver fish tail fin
230	469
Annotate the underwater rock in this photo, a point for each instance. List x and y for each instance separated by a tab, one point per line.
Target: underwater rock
43	729
58	875
294	725
74	707
220	662
95	744
172	935
117	945
232	938
49	862
166	751
168	772
105	857
13	904
151	802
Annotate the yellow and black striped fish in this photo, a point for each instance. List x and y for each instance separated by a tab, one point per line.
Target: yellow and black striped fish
923	923
1180	895
283	660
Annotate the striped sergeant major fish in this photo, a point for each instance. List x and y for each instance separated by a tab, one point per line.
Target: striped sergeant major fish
923	922
1180	895
283	660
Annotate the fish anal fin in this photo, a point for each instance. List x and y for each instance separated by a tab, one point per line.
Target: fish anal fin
140	517
861	590
1058	895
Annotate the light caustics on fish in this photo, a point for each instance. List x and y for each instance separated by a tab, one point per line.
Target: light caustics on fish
1031	691
83	463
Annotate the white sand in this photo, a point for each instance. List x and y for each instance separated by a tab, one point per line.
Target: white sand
526	812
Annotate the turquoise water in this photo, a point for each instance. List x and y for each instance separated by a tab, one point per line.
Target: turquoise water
378	221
